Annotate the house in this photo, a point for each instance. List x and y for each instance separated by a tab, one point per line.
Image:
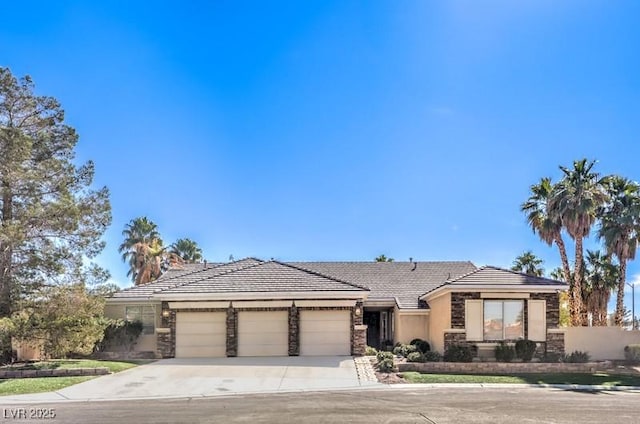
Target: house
253	307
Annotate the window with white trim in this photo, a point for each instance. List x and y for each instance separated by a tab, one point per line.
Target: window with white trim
146	314
503	319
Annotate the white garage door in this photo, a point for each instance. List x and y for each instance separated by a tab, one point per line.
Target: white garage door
201	334
263	333
325	333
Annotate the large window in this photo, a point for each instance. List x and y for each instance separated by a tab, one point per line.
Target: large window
144	314
503	319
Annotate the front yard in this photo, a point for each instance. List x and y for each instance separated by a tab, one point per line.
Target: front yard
601	379
16	386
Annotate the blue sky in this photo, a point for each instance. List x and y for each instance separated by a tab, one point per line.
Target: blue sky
336	130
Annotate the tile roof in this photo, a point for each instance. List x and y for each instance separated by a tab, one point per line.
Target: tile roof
185	274
271	276
492	275
246	275
402	282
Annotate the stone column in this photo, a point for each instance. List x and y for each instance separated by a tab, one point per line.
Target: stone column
294	331
232	331
166	347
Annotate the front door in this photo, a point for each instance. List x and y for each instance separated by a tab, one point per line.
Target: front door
372	320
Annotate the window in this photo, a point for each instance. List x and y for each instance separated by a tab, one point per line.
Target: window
144	314
503	319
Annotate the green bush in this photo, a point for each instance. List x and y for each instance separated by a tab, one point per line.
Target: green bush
120	335
385	361
504	352
432	356
632	352
422	345
552	357
458	353
370	351
577	357
382	355
525	349
404	350
415	357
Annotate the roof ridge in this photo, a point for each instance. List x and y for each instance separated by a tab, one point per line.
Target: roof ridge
299	268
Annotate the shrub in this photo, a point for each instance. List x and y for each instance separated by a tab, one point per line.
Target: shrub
370	351
504	352
552	357
525	349
415	357
404	350
632	352
385	361
432	356
458	353
120	335
577	357
422	345
382	355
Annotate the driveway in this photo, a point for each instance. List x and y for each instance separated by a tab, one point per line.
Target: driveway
214	376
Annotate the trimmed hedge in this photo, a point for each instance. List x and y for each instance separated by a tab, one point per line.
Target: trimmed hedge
458	353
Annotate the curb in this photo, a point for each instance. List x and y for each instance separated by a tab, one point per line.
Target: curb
56	397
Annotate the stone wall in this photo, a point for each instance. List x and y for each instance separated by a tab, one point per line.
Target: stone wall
503	367
59	372
555	343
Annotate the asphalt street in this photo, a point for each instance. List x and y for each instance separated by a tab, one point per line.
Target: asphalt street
429	405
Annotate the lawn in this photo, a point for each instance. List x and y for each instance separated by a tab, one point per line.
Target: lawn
602	379
18	386
113	366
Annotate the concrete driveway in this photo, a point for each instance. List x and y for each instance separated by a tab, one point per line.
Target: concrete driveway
216	376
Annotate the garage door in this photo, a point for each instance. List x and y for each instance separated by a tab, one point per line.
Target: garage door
201	334
325	333
263	333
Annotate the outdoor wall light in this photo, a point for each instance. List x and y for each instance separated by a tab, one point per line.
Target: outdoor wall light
166	313
358	311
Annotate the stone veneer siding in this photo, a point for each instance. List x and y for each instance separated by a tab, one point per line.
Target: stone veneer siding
458	307
294	331
167	340
555	341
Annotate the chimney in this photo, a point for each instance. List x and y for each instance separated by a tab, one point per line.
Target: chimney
205	264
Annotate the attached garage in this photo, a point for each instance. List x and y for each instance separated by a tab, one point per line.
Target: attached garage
263	333
201	334
325	332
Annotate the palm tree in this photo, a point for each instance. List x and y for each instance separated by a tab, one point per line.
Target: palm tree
140	246
383	258
528	263
619	228
149	258
187	250
577	199
601	277
545	221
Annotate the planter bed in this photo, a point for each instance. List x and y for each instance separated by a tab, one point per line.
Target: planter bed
503	367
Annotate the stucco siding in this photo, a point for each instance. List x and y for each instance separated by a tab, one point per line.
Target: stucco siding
410	326
600	342
439	321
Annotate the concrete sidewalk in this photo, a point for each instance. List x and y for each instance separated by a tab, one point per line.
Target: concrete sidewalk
184	378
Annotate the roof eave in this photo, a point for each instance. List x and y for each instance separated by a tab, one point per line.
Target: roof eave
537	288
